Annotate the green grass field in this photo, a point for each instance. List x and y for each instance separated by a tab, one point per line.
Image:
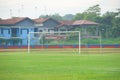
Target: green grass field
57	66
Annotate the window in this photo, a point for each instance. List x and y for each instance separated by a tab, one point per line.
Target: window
9	31
6	31
1	30
21	31
40	30
24	31
35	29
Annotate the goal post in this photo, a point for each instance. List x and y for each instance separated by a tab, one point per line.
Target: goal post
60	40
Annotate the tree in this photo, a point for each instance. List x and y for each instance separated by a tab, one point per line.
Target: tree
118	13
109	21
78	16
106	24
54	16
116	24
92	13
44	16
116	28
68	17
94	9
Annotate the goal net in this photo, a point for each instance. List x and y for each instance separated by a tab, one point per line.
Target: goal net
62	41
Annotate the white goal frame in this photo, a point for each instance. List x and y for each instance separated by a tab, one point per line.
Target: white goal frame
79	45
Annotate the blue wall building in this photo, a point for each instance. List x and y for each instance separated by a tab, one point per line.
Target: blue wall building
15	31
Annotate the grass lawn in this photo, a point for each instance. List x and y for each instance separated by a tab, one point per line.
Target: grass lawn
68	66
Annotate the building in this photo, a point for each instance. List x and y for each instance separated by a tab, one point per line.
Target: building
15	28
88	28
46	24
14	31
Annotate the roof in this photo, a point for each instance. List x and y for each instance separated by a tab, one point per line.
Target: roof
66	22
12	21
16	20
84	22
40	20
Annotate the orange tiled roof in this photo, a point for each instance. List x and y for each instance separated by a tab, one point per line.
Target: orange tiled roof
66	22
11	21
15	20
84	22
40	20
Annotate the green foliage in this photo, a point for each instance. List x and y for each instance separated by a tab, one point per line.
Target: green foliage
54	16
68	17
94	10
90	41
109	22
73	39
90	14
111	41
79	16
103	41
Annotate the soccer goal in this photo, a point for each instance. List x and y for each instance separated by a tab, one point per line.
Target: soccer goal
62	41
